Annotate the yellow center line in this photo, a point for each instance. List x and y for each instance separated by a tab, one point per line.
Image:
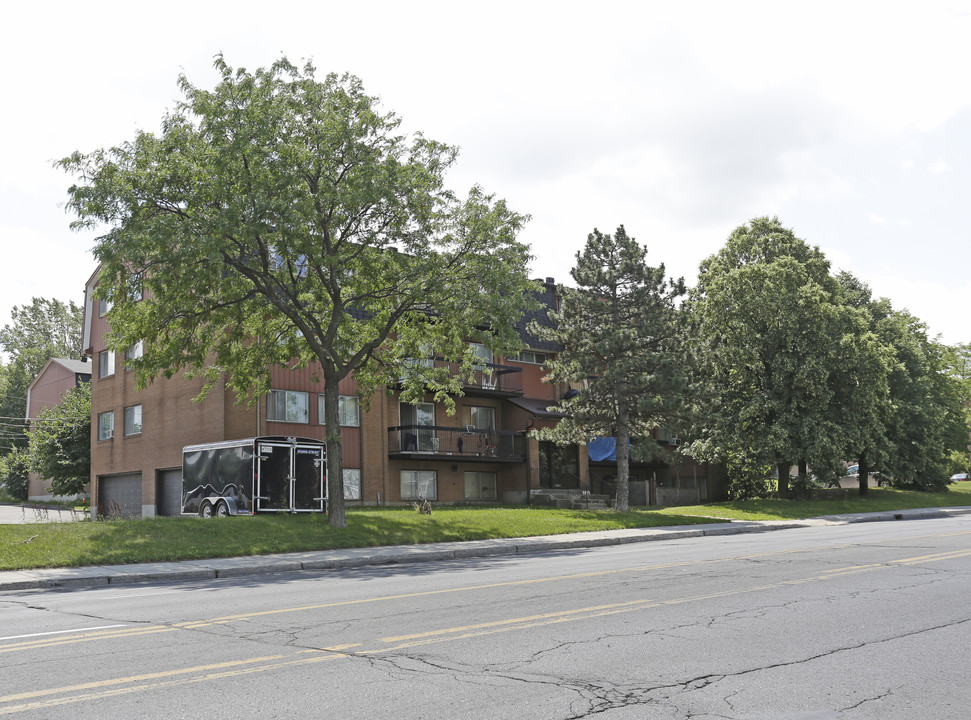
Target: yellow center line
244	667
40	699
85	637
196	624
528	618
492	586
135	678
559	578
479	629
935	557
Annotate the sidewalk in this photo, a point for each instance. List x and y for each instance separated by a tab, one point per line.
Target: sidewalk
359	557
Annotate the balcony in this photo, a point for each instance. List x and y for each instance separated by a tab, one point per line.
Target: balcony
492	379
487	379
456	443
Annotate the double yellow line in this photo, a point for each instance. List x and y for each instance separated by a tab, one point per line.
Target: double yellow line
84	692
53	697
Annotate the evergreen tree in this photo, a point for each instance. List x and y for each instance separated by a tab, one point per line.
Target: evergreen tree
619	337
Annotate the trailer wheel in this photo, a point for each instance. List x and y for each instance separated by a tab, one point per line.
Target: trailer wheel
222	509
205	510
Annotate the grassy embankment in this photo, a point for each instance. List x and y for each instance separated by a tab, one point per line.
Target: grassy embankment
34	545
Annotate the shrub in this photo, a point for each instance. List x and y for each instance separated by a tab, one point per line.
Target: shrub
15	473
748	479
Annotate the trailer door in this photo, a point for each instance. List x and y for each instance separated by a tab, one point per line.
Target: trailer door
309	489
289	477
273	477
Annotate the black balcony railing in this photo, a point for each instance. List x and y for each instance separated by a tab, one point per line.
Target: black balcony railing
495	379
455	443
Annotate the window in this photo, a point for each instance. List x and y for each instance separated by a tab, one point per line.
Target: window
133	420
418	427
106	363
288	406
104	307
135	351
411	366
481	352
482	418
349	410
352	483
483	371
417	414
480	486
106	425
419	484
292	265
135	291
528	356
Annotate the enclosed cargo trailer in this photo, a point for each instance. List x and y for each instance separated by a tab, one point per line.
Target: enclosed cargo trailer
262	474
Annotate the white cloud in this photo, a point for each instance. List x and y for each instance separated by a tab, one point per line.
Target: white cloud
680	121
46	265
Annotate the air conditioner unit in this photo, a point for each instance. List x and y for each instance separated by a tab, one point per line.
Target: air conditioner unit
674	441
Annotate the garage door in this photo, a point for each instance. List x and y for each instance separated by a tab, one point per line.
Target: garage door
169	492
120	495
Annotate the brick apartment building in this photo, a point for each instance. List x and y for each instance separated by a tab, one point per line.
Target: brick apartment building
46	391
392	452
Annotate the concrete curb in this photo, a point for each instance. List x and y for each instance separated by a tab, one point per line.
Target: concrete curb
45	579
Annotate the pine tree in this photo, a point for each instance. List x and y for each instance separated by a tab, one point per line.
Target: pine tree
619	337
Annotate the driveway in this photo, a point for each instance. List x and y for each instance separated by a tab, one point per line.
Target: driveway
20	514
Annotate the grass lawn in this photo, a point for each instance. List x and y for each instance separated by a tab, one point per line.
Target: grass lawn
828	502
69	544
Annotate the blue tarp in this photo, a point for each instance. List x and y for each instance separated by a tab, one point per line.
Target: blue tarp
604	448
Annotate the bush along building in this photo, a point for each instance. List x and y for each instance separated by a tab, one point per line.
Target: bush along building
393	452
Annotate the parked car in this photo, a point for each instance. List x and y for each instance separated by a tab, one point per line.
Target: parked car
960	477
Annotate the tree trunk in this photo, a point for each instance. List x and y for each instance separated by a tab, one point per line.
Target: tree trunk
864	474
335	460
783	470
803	470
622	502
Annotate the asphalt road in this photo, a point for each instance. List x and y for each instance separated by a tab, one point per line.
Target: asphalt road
852	621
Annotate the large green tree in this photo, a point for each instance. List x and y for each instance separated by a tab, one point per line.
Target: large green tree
765	327
283	219
37	332
619	336
860	377
898	397
927	420
957	359
60	442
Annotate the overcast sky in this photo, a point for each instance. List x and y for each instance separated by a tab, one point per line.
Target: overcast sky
850	121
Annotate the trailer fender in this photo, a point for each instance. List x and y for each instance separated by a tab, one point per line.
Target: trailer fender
226	506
